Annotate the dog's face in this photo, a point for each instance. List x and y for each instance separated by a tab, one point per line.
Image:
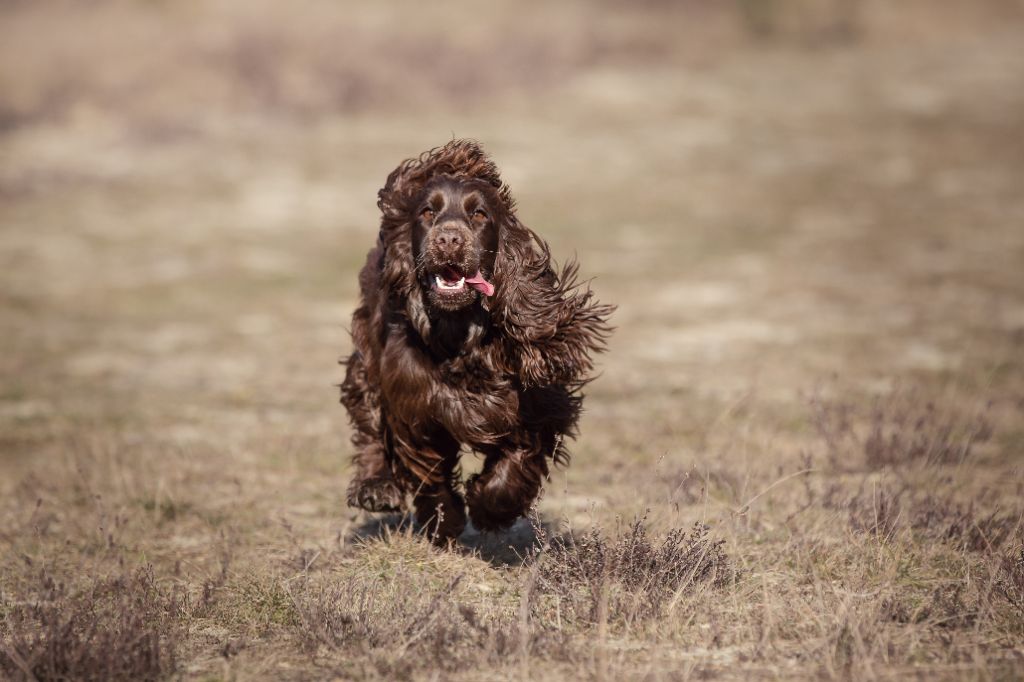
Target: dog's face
455	241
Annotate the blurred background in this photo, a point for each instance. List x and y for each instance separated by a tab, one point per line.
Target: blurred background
775	193
809	212
771	190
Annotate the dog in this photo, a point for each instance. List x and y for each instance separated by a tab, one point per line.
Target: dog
465	338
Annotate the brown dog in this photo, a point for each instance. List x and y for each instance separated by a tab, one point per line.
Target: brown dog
465	337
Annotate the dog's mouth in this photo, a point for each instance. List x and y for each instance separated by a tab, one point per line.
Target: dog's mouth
451	279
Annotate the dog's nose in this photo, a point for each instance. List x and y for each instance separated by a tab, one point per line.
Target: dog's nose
449	237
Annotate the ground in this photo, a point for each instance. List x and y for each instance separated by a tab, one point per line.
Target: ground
810	216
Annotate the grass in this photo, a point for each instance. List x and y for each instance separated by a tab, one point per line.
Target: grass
802	457
125	627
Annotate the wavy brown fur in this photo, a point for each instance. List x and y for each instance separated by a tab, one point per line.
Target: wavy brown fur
501	376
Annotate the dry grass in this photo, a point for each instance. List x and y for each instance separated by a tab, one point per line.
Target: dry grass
808	213
630	577
902	429
120	628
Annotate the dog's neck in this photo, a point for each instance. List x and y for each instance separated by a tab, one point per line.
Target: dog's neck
457	332
447	334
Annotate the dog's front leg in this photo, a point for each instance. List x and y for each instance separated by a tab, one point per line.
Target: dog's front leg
512	478
373	486
429	460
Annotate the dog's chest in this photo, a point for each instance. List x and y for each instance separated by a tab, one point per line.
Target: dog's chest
465	375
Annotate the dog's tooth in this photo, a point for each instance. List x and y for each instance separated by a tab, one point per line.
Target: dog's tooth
441	284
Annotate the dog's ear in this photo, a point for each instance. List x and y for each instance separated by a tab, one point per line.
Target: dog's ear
398	276
548	323
398	269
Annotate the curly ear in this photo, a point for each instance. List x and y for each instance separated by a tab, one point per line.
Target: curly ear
398	276
550	323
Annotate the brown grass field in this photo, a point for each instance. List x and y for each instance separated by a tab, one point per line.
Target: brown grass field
804	457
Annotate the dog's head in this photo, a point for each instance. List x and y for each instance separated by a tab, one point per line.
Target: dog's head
455	240
452	243
446	215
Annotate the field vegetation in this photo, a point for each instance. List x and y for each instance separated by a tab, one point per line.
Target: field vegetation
804	457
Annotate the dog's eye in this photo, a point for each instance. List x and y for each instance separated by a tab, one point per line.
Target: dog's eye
479	213
427	214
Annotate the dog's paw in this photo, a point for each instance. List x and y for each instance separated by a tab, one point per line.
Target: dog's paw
376	495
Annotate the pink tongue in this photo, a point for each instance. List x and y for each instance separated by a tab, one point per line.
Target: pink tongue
478	282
